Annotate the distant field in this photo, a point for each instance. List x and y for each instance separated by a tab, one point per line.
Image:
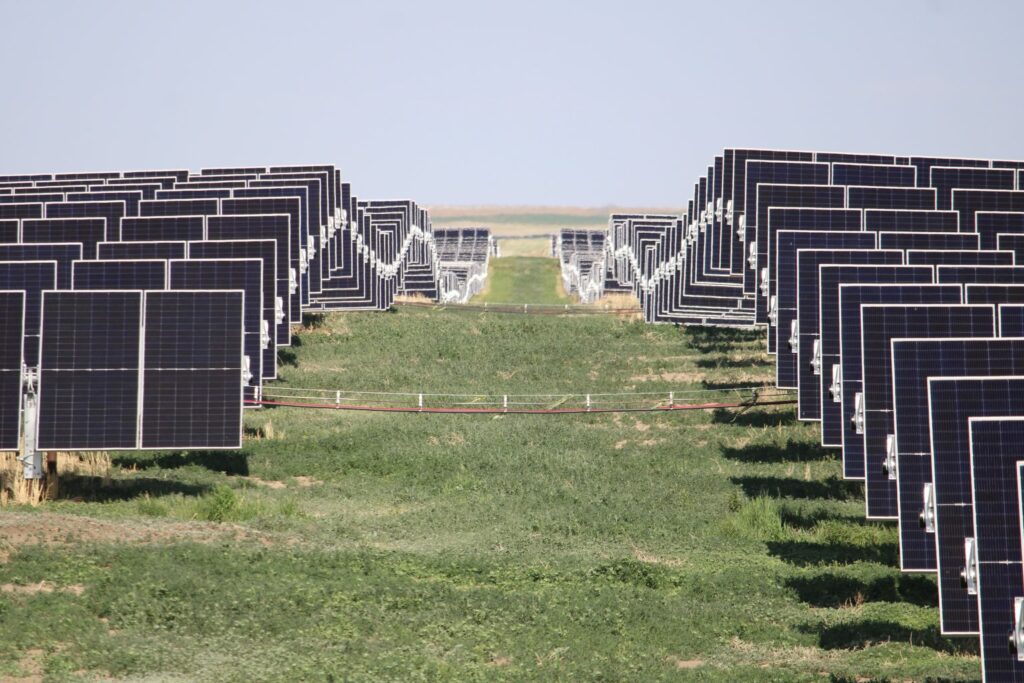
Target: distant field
505	220
523	280
526	247
336	546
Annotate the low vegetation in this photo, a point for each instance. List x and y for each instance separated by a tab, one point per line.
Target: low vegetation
712	546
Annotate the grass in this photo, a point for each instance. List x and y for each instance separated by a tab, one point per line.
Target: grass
523	280
373	547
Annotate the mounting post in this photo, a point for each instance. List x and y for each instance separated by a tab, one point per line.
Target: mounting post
31	457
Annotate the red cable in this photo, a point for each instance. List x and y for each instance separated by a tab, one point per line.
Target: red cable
519	411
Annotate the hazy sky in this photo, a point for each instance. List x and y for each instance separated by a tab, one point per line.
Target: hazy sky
472	102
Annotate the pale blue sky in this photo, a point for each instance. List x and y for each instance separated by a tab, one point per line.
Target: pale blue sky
587	103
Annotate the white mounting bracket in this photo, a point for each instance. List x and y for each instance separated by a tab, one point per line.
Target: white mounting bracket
741	231
246	370
264	334
752	256
927	516
30	457
1017	634
858	413
765	290
794	336
773	310
969	574
816	356
889	463
279	306
293	281
836	389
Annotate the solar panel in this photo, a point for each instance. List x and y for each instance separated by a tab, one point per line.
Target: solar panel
993	294
179	207
1011	242
945	179
192	378
890	198
111	211
951	402
851	366
276	201
89	371
874	175
910	220
86	231
9	231
928	240
990	224
830	279
980	274
880	324
115	275
809	262
163	228
968	202
275	227
245	275
959	257
32	277
63	254
12	326
914	361
266	251
131	198
117	251
1011	320
94	381
783	309
19	211
798	218
998	502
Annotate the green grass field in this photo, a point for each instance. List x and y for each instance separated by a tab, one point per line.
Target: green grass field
523	280
372	547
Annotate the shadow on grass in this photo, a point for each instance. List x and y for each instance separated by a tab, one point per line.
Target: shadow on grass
861	634
830	488
833	590
726	362
754	417
711	339
103	489
800	518
731	385
228	462
791	451
287	357
312	321
812	553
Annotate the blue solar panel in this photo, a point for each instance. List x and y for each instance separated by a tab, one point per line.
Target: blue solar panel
928	240
192	376
117	251
952	401
911	220
785	305
63	254
914	361
32	277
990	224
809	262
959	257
245	275
86	231
163	228
119	275
89	371
997	502
12	327
880	324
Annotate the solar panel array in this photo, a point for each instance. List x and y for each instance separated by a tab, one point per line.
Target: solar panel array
144	309
891	296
